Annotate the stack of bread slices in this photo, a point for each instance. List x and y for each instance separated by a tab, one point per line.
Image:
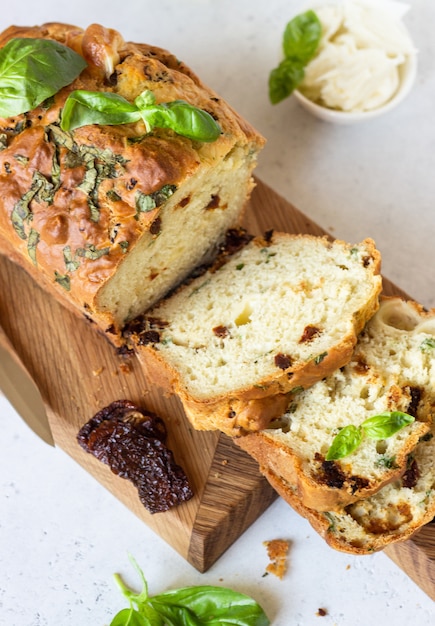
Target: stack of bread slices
283	344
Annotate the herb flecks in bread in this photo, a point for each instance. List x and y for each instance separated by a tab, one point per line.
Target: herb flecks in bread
391	372
238	341
109	218
394	513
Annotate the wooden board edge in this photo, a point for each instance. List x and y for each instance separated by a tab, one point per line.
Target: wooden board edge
215	528
416	557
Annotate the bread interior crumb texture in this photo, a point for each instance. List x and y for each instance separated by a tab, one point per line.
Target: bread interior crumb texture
262	300
188	234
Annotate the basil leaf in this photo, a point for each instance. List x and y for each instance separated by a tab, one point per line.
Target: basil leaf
91	252
130	617
379	426
386	424
63	280
32	243
32	70
70	263
215	606
284	79
344	443
189	606
301	37
89	107
148	202
182	118
97	107
300	42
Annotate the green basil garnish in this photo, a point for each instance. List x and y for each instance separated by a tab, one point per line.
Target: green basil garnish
380	426
148	202
91	252
300	42
95	107
345	442
63	280
214	606
32	243
32	70
386	424
70	263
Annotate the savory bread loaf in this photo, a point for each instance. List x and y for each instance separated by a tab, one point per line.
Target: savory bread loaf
278	315
394	513
392	369
113	217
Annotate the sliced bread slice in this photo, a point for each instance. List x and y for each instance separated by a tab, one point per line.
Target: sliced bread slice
392	369
394	513
279	314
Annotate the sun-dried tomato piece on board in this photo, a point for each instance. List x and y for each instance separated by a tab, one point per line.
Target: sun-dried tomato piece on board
131	441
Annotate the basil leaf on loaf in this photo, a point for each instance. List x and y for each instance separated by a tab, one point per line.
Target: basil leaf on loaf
32	70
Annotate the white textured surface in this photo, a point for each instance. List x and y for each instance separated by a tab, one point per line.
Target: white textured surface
61	534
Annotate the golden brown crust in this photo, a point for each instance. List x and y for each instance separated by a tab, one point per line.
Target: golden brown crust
324	524
71	221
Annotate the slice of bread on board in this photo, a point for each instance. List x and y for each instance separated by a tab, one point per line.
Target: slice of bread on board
394	513
392	369
279	314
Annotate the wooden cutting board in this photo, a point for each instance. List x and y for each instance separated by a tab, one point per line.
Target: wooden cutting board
78	372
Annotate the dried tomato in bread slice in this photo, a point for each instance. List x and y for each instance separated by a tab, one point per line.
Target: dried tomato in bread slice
391	371
394	513
279	314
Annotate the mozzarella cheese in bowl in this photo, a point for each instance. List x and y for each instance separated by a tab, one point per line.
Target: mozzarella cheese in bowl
361	52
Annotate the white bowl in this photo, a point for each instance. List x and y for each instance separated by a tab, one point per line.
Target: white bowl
407	74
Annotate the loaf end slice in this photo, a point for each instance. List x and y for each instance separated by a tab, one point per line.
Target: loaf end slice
392	369
393	514
281	313
111	218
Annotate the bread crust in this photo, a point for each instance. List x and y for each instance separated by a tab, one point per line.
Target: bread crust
331	526
64	222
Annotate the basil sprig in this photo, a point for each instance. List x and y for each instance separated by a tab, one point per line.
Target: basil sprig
188	606
98	107
32	70
300	43
377	427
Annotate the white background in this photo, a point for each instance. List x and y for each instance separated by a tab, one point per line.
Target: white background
61	534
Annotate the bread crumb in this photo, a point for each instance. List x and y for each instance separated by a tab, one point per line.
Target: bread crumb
277	551
98	371
347	566
322	612
125	368
225	462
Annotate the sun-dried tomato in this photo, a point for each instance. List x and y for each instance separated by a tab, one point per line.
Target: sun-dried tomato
131	441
